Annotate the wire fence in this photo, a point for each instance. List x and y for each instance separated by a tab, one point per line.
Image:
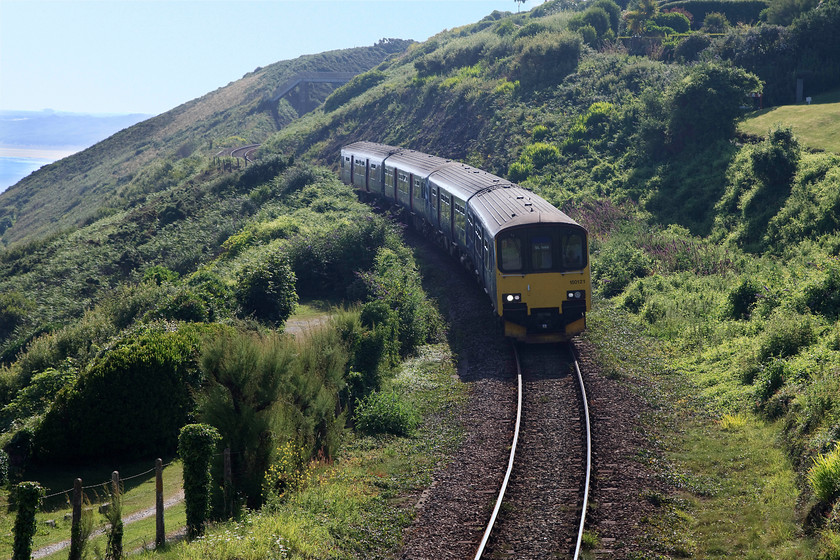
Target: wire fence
103	485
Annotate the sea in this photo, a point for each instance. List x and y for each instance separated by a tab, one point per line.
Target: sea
13	169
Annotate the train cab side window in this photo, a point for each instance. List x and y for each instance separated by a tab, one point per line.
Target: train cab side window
573	252
541	253
511	254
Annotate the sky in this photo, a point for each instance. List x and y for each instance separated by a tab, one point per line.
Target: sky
149	56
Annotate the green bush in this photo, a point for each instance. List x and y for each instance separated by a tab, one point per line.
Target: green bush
771	378
385	413
27	496
36	397
675	20
266	289
689	48
545	59
246	376
129	403
822	294
617	265
196	446
395	280
160	275
715	22
742	299
328	262
824	476
786	333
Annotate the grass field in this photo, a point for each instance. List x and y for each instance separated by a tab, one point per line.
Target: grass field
816	125
54	525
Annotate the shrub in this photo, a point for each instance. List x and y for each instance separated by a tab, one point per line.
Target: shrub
786	334
266	289
185	306
617	266
595	17
289	471
160	275
771	378
703	106
327	262
824	476
539	133
129	403
742	299
396	281
385	413
36	397
689	48
27	496
196	446
715	22
545	59
675	20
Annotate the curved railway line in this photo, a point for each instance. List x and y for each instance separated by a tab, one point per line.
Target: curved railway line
453	511
244	152
545	511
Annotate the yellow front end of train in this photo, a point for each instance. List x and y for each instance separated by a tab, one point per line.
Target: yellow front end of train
543	307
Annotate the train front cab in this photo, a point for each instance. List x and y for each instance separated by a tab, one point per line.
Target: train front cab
543	284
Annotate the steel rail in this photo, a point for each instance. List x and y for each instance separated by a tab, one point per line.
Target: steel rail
588	452
510	460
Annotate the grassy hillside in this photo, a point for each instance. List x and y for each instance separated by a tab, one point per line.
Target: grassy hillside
114	174
816	125
720	255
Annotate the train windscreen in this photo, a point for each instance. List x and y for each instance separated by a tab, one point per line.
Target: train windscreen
541	249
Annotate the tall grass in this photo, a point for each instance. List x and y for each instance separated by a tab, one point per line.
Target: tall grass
824	476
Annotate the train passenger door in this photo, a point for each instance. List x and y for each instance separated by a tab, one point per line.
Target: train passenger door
433	204
367	175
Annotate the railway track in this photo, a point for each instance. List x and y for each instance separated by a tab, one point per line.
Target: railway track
541	507
244	152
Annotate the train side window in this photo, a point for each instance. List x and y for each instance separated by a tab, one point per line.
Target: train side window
511	254
541	253
573	252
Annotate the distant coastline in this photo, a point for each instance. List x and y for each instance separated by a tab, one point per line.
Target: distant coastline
30	140
36	152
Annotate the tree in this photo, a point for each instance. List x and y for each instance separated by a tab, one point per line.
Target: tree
246	376
638	18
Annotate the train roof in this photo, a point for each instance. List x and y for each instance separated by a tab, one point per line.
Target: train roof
370	150
510	206
412	161
499	203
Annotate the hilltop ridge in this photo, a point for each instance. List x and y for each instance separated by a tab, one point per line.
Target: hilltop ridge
91	183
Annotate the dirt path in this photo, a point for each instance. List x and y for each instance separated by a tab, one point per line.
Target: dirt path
136	516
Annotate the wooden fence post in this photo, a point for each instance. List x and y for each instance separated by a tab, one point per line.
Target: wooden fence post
114	549
160	532
76	524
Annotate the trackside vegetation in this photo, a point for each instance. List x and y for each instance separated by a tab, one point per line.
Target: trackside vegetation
148	273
